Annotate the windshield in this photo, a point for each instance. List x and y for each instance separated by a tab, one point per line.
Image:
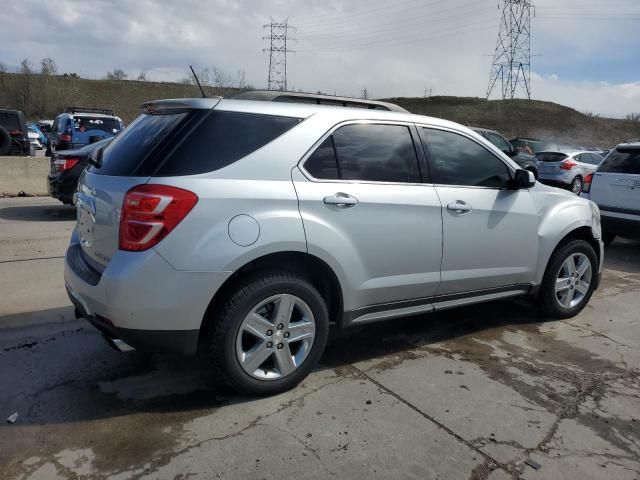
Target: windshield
106	124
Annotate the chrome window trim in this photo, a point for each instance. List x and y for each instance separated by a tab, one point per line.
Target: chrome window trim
317	144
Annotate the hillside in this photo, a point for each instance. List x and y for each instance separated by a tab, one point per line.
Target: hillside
44	97
526	118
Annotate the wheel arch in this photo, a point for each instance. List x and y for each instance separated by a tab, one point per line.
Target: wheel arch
319	273
584	232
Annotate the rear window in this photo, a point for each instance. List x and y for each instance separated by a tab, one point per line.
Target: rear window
551	157
622	162
86	124
188	143
9	121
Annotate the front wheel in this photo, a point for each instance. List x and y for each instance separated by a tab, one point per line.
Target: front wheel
270	333
576	185
569	280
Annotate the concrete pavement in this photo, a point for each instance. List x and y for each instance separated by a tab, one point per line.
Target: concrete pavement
472	393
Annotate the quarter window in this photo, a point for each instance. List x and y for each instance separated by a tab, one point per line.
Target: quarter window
461	161
367	152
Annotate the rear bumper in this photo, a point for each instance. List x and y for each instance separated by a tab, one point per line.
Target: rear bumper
556	179
62	186
182	342
140	299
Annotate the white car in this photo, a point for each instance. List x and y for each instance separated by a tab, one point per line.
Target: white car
615	187
34	140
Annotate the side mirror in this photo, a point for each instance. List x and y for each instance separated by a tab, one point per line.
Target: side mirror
523	179
95	158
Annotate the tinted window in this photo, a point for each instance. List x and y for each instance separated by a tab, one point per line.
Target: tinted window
9	121
595	159
322	163
376	153
551	157
622	162
129	149
86	124
221	139
461	161
499	142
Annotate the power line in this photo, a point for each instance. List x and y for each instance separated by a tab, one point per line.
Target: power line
278	38
512	56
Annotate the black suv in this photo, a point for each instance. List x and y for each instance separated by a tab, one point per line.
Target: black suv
527	162
14	136
66	168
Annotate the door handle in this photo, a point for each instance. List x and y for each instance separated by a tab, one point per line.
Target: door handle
341	200
459	207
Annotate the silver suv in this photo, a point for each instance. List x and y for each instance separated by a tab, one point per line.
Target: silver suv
247	228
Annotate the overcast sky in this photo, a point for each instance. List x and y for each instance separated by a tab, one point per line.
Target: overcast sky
587	52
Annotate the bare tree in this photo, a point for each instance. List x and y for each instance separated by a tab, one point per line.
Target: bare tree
143	76
3	68
48	66
117	74
634	117
26	67
23	91
365	93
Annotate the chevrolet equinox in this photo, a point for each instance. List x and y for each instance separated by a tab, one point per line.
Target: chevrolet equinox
244	229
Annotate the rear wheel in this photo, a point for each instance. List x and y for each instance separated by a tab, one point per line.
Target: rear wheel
569	280
270	334
576	185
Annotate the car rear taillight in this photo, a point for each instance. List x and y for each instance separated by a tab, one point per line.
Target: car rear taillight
568	165
586	183
63	137
16	133
150	212
64	164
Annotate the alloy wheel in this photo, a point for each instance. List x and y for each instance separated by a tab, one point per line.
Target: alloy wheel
576	185
573	280
275	337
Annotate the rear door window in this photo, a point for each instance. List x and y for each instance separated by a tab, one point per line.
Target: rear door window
376	153
323	163
367	153
622	161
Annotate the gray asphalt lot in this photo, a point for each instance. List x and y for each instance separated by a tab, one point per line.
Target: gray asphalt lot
472	393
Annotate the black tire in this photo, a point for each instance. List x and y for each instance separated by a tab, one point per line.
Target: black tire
547	300
5	141
576	185
608	237
226	325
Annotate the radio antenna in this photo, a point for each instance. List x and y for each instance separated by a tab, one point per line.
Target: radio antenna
204	95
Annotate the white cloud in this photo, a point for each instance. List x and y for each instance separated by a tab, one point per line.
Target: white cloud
394	49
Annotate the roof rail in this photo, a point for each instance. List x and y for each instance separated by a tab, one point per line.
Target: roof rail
318	99
105	111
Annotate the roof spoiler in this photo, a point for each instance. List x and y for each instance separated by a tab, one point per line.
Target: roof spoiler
173	105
